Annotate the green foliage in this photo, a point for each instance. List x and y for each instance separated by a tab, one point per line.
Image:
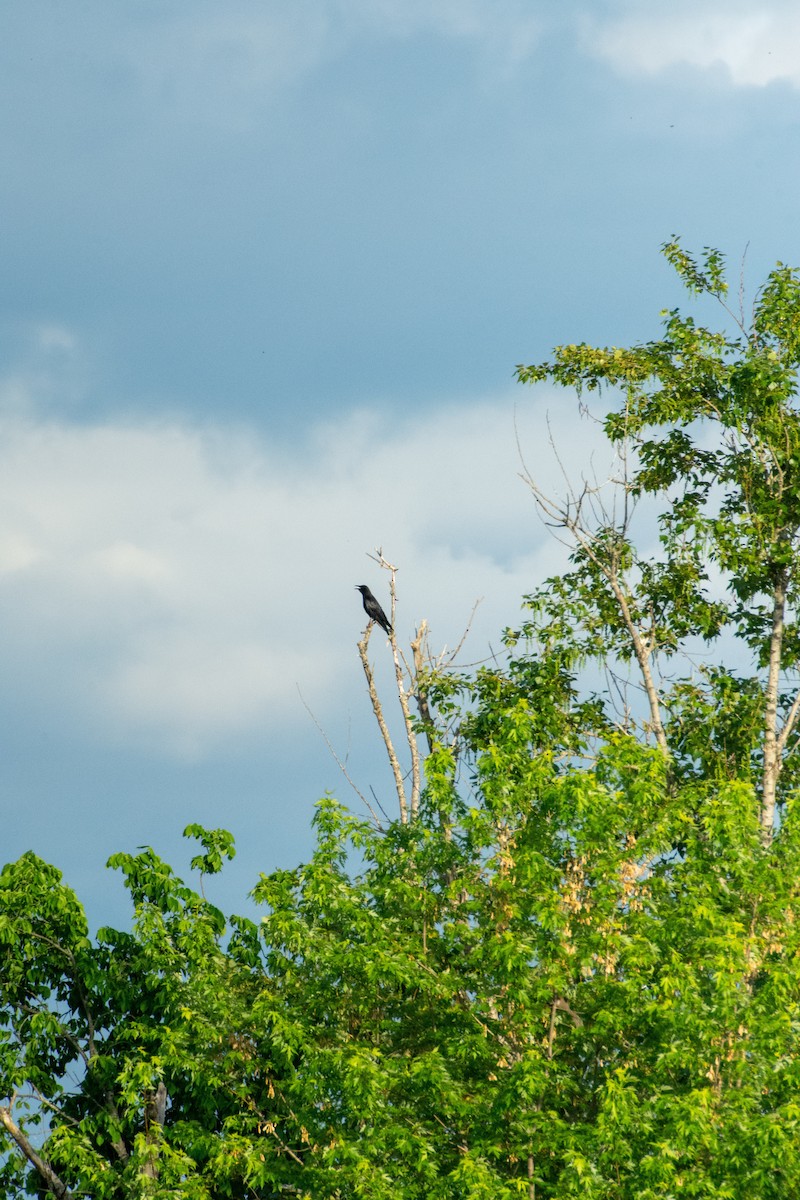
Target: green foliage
708	431
218	845
540	994
576	973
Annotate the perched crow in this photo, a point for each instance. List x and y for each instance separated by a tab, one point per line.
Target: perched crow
372	608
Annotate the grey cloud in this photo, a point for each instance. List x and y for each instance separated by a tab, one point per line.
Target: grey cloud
186	580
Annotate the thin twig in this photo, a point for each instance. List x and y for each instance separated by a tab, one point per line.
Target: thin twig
338	761
468	628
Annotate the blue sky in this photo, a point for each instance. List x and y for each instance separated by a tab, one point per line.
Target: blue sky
267	270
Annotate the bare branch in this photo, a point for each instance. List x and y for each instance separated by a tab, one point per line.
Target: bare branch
380	806
569	516
417	646
642	653
467	629
51	1180
789	723
339	762
384	728
409	678
772	762
402	695
411	736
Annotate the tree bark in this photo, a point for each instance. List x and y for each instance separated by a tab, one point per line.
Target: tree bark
155	1110
772	748
411	737
643	659
394	762
51	1180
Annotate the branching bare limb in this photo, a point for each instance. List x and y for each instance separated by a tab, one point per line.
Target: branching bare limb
51	1180
569	516
609	568
384	728
642	652
772	748
402	695
410	682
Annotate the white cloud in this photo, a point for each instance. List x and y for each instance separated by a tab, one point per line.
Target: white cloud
17	553
756	44
51	363
127	561
174	585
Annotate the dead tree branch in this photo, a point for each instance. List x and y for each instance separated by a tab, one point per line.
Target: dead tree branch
418	647
402	694
569	516
772	744
51	1180
411	683
377	708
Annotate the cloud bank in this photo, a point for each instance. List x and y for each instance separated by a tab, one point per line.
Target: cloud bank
174	584
754	44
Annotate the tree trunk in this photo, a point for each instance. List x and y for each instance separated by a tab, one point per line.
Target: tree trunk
772	757
155	1110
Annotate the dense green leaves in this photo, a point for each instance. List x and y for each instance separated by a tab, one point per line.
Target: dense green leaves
545	995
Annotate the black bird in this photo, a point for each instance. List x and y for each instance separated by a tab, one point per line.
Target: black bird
372	608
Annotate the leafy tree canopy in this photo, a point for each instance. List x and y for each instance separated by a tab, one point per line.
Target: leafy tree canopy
571	967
